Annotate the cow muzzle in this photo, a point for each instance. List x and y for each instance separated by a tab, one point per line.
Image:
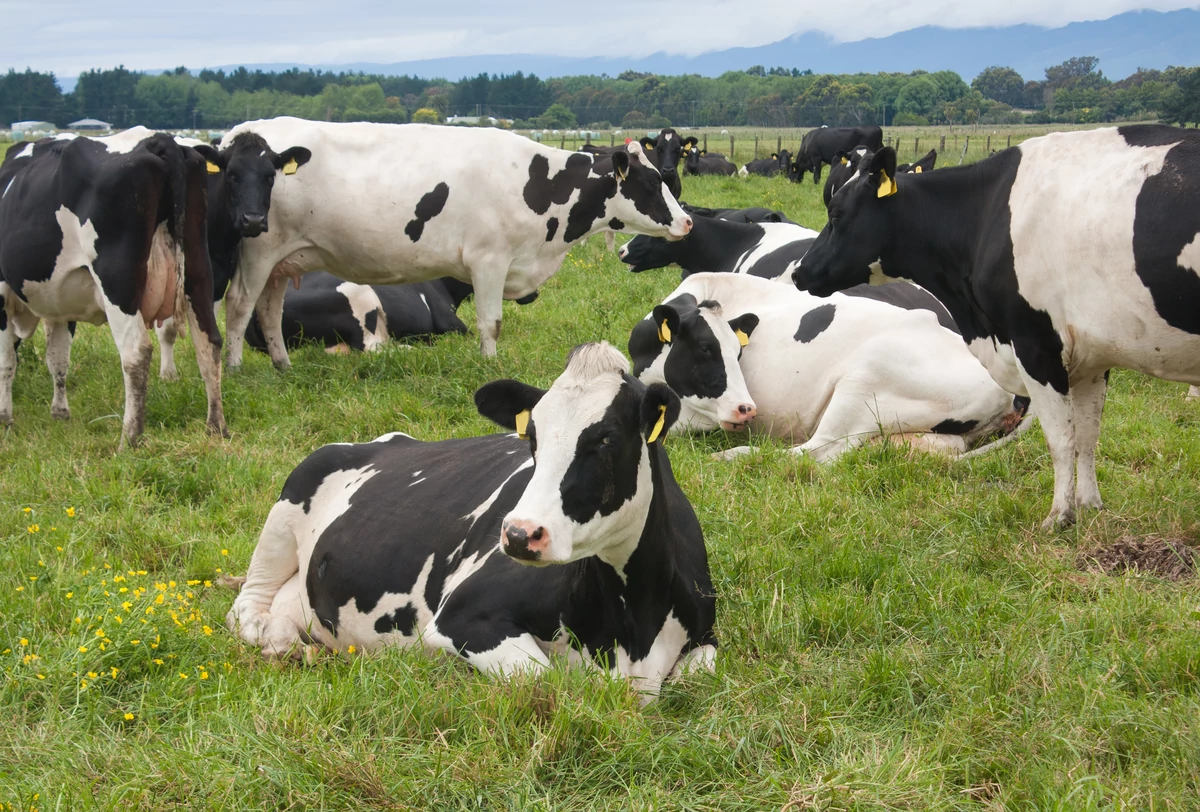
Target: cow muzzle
680	228
251	225
525	541
740	418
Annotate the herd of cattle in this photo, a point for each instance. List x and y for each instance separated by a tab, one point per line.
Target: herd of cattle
1030	275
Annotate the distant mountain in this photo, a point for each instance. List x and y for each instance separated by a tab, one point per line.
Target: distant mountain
1147	39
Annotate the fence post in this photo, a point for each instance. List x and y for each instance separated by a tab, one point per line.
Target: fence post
989	145
1009	144
917	146
897	146
731	158
705	147
889	140
563	144
942	146
966	146
756	147
778	144
612	139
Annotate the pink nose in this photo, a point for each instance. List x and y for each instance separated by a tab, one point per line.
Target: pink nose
744	414
525	540
687	225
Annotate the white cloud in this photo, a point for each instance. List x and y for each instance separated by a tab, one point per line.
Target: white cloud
68	36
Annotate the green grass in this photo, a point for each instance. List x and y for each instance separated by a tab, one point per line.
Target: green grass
895	630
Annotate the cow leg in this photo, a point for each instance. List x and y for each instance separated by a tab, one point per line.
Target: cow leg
275	562
208	358
133	345
1193	393
239	304
1087	398
1057	416
817	172
270	319
58	361
8	355
489	305
167	333
610	243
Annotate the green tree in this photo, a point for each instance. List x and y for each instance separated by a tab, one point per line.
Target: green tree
1000	84
1181	103
426	115
557	117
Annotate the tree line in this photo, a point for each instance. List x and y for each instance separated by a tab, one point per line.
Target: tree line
1074	92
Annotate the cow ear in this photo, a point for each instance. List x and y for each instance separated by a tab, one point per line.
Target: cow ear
743	326
620	162
660	410
216	163
881	173
666	322
691	141
292	159
646	142
508	403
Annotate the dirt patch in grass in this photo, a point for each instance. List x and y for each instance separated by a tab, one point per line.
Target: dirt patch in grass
1172	559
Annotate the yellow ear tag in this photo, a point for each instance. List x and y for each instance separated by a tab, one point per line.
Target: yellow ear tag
664	332
658	427
918	170
290	167
522	421
743	339
213	169
622	174
650	146
887	186
845	161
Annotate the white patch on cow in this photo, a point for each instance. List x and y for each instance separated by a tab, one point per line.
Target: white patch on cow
71	292
775	236
362	300
1073	254
416	474
701	658
418	482
874	368
124	142
23	152
668	136
744	172
11	181
426	303
491	500
384	438
358	628
261	154
647	675
576	400
1189	257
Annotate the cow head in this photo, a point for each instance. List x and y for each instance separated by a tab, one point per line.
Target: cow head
248	168
690	147
644	253
592	436
924	164
858	232
690	347
643	201
667	150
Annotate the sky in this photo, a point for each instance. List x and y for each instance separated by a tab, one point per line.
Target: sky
70	37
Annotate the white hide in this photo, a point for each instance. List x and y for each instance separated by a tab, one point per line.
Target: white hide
775	236
876	367
345	211
363	300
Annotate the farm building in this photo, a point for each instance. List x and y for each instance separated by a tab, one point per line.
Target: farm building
90	124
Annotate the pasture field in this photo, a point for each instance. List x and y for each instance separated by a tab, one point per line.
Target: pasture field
896	632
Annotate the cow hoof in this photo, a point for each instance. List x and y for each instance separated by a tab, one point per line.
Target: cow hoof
6	418
283	366
169	374
60	413
218	429
1089	503
1058	521
733	453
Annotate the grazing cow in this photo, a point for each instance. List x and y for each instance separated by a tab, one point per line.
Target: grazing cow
699	162
400	542
240	179
432	214
1059	259
106	229
347	316
820	147
845	166
723	246
769	167
826	374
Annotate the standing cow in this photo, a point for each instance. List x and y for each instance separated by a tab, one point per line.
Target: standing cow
1059	259
821	147
400	542
108	229
387	203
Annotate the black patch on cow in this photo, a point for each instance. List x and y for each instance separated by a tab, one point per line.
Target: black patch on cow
542	191
815	322
906	296
603	476
551	228
371	320
615	224
772	265
429	206
4	317
952	426
1166	220
403	620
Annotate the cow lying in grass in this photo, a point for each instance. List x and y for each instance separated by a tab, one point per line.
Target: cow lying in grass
826	374
399	541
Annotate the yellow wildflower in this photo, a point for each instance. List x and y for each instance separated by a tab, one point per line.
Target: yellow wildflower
24	641
41	676
83	649
59	547
224	552
128	717
28	510
71	512
83	684
182	675
134	642
158	661
33	528
350	649
114	672
33	577
70	594
92	674
207	630
126	605
20	589
203	675
208	583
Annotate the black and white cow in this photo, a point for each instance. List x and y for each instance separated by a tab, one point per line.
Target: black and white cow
432	213
845	166
346	316
400	542
723	246
820	147
779	162
828	375
700	162
106	230
665	151
754	214
1059	259
240	179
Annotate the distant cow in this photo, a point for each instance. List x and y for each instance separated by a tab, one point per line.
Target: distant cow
401	542
845	166
107	229
699	162
820	147
431	214
827	375
1059	259
769	167
755	214
723	246
348	316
